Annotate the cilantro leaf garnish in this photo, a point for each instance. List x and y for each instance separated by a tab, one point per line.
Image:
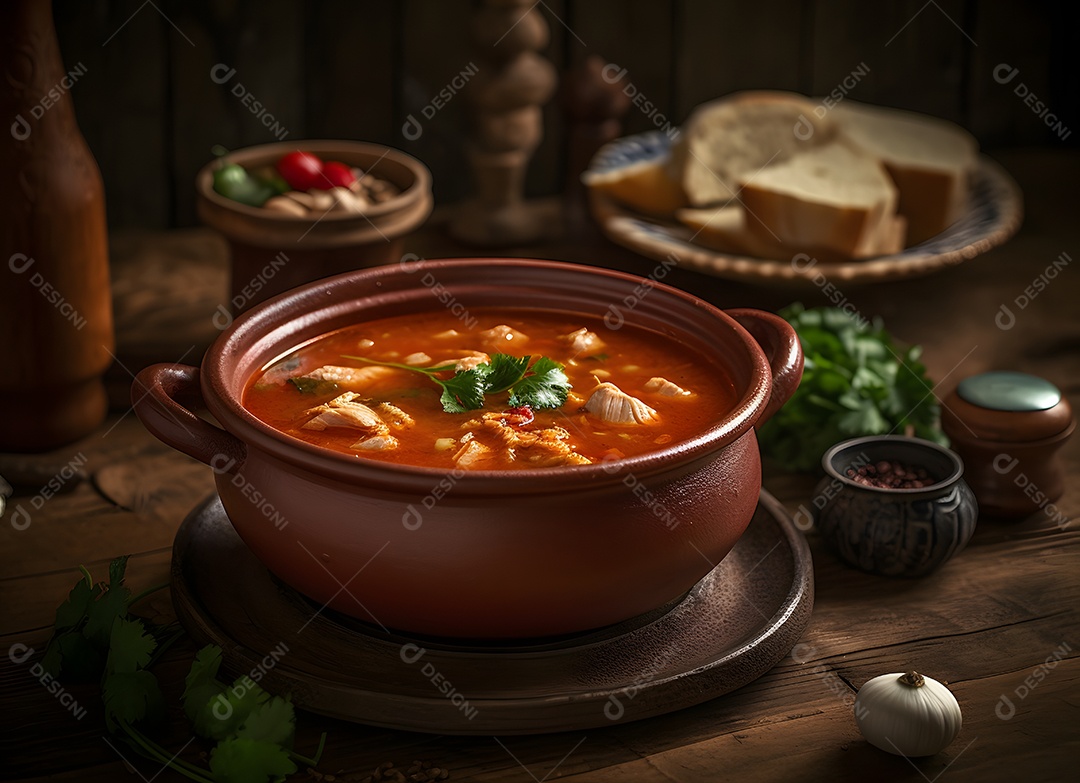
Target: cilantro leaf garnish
544	385
503	372
463	392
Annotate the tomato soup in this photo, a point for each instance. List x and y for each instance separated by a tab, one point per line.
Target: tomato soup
510	389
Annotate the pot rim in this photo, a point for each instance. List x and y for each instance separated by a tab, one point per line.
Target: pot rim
263	154
263	319
955	475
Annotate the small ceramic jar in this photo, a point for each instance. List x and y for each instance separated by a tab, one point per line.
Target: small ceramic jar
1008	428
888	530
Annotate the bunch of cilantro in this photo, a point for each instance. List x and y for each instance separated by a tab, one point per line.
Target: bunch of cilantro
543	385
856	381
96	636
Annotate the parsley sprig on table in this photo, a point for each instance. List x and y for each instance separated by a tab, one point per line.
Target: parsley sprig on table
543	385
856	381
95	636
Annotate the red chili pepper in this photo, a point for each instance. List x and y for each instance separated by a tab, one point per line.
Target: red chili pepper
519	416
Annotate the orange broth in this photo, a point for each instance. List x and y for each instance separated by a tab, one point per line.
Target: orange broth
629	358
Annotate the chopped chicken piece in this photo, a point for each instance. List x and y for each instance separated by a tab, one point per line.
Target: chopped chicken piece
352	378
394	416
381	442
444	444
417	359
542	448
610	403
583	342
366	343
473	455
666	388
471	361
449	334
502	337
342	411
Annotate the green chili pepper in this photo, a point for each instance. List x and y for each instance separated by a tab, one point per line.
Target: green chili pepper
233	182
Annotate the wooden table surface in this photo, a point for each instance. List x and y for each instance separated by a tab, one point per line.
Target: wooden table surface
985	623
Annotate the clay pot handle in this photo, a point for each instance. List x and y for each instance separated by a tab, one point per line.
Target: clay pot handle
161	395
782	348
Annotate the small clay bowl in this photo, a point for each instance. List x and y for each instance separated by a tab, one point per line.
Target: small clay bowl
892	531
272	252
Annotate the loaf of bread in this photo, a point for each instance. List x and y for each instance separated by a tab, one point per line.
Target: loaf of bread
833	197
725	229
930	161
727	140
769	174
648	186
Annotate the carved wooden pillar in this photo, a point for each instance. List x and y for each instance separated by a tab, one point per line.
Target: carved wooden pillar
506	95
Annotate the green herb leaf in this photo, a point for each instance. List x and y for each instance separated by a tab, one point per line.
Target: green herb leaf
202	690
233	706
503	372
81	660
314	386
70	613
545	386
204	669
243	760
274	721
116	571
130	646
52	660
130	697
856	381
462	393
104	612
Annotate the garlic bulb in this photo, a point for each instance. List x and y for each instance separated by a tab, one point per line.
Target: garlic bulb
907	714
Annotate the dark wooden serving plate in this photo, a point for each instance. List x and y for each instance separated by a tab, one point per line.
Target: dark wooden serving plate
732	627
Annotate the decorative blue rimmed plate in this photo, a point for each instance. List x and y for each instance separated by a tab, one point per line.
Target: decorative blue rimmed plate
993	214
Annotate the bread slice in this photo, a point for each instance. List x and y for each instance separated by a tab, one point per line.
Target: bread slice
648	186
725	229
725	141
833	197
930	160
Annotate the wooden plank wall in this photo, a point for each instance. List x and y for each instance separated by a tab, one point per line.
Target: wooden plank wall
357	68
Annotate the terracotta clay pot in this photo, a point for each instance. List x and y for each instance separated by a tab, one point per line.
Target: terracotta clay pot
272	252
499	554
